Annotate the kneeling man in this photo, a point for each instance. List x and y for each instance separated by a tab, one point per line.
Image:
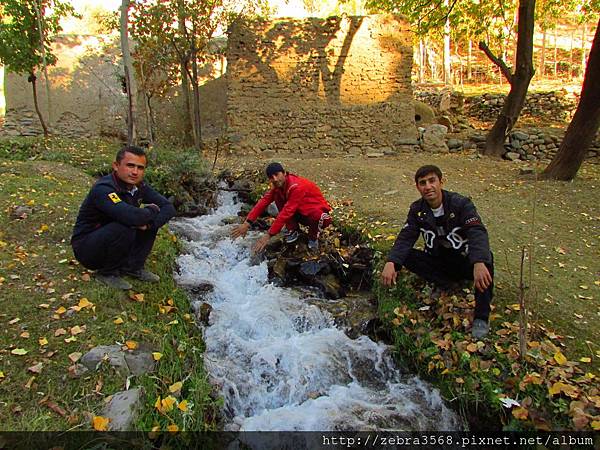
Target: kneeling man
298	200
456	244
118	222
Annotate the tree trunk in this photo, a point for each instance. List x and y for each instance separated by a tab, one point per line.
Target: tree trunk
556	51
196	105
447	61
519	81
129	76
39	14
421	61
542	68
583	38
582	129
32	80
185	81
469	59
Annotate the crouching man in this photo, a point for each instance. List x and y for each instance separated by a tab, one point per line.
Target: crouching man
298	200
456	244
118	222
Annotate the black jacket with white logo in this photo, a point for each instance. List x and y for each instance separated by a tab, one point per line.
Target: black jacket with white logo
110	201
463	231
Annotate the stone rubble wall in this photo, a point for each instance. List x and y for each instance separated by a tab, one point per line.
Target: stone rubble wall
339	85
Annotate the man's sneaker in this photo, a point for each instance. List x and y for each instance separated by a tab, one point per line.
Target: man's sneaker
142	274
113	281
290	236
313	246
480	328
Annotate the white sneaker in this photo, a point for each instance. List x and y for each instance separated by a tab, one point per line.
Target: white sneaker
290	236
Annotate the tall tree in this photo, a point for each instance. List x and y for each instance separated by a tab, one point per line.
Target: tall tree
184	30
585	123
130	81
26	31
519	80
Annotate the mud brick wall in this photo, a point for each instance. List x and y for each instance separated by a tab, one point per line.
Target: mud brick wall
320	86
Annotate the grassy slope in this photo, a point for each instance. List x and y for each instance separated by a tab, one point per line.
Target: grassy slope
39	276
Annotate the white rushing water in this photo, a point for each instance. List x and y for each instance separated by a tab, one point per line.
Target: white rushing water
280	363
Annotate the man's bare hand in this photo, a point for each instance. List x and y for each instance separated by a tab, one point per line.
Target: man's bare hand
240	230
389	274
142	227
482	279
260	245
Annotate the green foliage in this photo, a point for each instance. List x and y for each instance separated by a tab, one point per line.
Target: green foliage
20	33
170	171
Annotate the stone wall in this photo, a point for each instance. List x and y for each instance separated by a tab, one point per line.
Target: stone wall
322	86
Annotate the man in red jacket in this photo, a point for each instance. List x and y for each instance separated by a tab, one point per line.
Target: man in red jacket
298	200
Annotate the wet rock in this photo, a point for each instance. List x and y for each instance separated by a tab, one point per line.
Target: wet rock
123	409
309	269
201	290
204	313
231	220
331	286
190	209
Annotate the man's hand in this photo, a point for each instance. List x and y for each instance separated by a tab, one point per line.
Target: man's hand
481	276
240	230
260	245
389	274
142	227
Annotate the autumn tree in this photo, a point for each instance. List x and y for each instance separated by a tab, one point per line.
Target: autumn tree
181	32
26	31
585	123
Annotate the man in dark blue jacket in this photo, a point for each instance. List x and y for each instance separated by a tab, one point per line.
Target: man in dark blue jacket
118	222
456	244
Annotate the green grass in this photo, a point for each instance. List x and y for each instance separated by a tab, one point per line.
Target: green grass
38	276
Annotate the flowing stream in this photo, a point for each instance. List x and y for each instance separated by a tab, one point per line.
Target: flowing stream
279	362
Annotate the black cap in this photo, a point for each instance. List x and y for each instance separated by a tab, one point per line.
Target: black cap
273	168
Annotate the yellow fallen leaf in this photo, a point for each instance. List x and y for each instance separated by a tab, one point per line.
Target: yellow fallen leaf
100	423
1	374
157	403
175	387
43	228
472	347
13	321
60	332
156	356
70	339
167	403
118	321
137	297
44	305
74	357
25	334
131	345
61	310
560	358
585	359
76	330
520	413
85	303
19	351
173	428
595	425
183	405
43	341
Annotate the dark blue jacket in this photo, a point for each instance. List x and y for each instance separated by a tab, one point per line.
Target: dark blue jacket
110	201
464	231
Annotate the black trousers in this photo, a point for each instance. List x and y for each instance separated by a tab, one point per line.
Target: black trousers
113	247
448	268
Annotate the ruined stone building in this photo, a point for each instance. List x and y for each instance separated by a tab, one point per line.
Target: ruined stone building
329	86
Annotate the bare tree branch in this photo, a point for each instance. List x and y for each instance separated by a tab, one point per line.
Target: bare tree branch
498	61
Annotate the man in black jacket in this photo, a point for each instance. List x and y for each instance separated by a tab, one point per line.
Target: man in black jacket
456	244
118	222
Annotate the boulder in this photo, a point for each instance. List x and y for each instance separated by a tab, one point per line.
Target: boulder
434	139
424	114
123	409
512	156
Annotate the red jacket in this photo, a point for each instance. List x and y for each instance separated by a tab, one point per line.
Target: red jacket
298	195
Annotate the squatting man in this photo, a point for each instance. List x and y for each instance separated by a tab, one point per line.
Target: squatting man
456	244
118	221
298	200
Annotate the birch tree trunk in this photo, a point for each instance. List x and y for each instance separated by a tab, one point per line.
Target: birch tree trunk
129	75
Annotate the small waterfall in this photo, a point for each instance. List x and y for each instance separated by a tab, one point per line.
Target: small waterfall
279	362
